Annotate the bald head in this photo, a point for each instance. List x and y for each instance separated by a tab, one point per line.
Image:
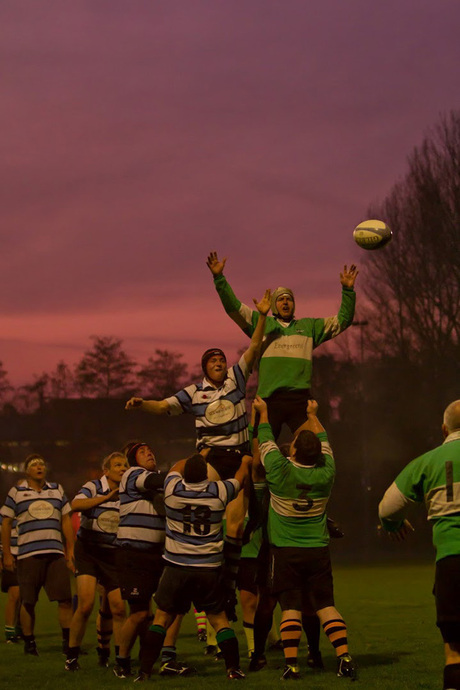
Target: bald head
451	418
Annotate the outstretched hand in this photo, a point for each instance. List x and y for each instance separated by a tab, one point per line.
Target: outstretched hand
133	403
259	404
401	534
215	266
263	307
312	407
348	276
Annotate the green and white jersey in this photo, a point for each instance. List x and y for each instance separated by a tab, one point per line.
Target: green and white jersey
298	494
287	346
433	478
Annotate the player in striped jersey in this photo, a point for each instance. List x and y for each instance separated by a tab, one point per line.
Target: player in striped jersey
43	518
195	508
10	587
300	487
218	404
141	536
95	553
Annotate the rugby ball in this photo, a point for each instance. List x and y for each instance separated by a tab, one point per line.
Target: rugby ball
372	234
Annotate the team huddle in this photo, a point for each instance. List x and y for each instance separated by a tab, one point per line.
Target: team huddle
241	513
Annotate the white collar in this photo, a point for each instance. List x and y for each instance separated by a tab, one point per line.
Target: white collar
454	436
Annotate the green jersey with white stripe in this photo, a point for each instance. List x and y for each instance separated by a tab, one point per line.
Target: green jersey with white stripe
432	478
287	346
298	494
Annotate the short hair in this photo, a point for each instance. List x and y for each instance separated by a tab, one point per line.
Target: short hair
196	469
307	448
452	416
31	457
107	461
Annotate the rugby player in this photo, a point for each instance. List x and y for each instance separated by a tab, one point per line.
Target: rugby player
218	404
300	486
95	551
285	364
10	587
434	479
43	518
194	553
140	538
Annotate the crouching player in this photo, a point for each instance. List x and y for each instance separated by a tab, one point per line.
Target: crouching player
194	508
300	486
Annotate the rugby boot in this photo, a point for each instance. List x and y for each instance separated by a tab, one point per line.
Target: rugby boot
175	668
72	664
291	672
345	667
30	647
235	674
315	660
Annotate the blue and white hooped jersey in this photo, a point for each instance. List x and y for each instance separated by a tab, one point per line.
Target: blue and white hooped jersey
98	525
141	526
194	514
220	413
39	515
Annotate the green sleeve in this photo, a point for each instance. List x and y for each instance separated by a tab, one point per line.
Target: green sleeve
325	329
410	481
243	316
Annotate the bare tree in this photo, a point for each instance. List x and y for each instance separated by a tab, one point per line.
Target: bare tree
105	371
62	382
413	285
163	375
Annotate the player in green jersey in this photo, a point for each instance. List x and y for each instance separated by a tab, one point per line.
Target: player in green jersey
434	479
285	364
300	486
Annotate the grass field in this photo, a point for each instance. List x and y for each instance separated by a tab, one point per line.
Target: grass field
390	615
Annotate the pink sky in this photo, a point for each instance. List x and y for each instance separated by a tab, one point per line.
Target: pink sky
139	136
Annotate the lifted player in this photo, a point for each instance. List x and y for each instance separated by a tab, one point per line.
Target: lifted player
286	361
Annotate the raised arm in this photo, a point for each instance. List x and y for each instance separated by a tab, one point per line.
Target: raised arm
328	328
241	314
312	424
151	406
263	308
243	472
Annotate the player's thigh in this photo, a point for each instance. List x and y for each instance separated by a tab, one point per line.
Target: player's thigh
57	582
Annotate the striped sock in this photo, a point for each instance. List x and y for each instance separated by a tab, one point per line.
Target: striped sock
336	630
10	632
200	618
249	632
291	632
168	654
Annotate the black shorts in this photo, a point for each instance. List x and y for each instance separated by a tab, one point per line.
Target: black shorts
300	574
447	595
97	561
48	571
286	406
180	586
138	574
226	461
247	575
9	579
